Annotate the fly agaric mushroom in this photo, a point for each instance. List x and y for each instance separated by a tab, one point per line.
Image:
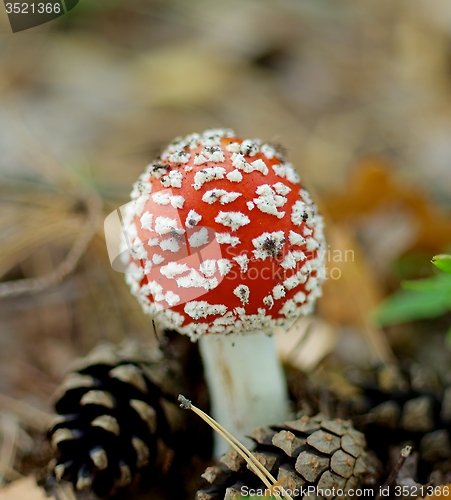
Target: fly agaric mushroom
224	241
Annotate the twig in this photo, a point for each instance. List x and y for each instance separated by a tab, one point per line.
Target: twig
253	463
19	287
25	413
9	473
404	453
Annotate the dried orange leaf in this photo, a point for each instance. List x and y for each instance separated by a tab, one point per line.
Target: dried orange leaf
373	187
440	493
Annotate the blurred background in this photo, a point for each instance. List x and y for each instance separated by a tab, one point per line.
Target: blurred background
359	94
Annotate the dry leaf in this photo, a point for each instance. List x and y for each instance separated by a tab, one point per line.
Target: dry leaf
374	187
351	281
21	489
306	343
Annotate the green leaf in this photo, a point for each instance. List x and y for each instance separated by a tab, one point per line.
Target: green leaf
419	299
440	282
443	262
411	305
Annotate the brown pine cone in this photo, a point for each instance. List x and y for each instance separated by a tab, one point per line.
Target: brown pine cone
309	457
409	405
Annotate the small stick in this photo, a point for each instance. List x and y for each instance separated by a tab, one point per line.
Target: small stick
404	453
253	463
25	413
67	266
155	332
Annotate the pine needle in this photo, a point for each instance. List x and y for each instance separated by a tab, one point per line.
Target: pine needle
25	413
19	287
253	463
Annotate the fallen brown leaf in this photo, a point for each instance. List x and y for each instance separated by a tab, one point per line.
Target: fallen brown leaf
352	290
21	489
374	186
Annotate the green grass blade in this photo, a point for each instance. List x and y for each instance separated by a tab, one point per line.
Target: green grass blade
439	283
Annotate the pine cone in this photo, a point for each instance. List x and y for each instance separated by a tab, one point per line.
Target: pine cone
112	418
310	452
405	405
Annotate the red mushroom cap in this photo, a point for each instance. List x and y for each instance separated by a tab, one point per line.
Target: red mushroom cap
223	238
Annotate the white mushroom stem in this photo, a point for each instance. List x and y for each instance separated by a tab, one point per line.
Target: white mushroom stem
246	384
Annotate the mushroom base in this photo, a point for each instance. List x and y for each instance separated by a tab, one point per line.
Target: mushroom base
246	383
